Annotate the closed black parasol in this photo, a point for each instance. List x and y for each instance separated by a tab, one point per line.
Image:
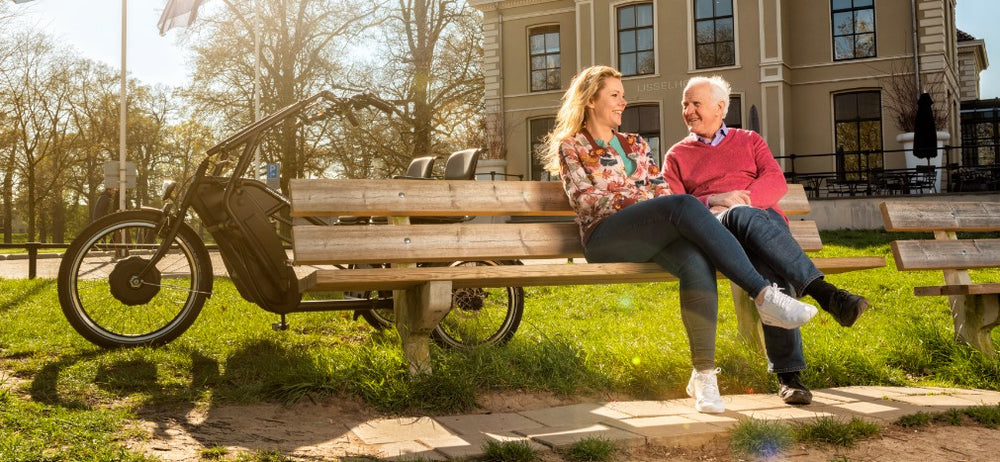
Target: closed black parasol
924	131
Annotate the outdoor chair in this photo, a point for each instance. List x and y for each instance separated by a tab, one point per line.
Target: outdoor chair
420	167
923	179
461	165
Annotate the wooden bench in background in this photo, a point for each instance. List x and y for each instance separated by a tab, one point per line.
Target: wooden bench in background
973	305
423	294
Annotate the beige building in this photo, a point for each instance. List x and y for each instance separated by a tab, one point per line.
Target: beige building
812	76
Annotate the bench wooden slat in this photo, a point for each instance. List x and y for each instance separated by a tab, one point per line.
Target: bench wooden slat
527	275
450	242
941	216
961	289
328	197
914	255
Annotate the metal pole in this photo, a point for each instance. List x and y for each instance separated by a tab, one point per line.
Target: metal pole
122	186
916	47
256	78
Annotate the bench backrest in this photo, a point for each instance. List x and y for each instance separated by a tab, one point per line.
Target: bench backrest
449	242
945	219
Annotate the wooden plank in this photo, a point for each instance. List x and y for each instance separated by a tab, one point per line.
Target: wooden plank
940	216
328	197
915	255
526	275
961	289
449	242
428	243
795	201
806	234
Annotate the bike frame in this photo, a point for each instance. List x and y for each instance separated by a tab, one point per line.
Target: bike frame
248	249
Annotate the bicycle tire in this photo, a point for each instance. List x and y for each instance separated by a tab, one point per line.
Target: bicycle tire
103	301
477	318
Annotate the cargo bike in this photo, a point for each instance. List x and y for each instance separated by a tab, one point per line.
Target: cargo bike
141	277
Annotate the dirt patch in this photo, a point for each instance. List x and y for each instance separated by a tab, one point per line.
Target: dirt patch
321	431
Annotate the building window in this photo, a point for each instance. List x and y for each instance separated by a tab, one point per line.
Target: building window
980	133
635	39
858	125
537	129
544	57
644	120
734	116
853	29
715	39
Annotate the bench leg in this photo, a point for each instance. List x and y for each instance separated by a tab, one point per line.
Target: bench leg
975	316
418	311
747	318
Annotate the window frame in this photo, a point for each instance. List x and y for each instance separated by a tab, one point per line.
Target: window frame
694	20
975	146
533	142
854	33
615	23
645	134
742	122
544	30
873	158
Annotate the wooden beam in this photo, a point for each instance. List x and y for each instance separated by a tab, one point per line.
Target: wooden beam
940	216
329	197
527	275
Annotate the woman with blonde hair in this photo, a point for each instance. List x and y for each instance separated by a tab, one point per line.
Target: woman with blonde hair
626	213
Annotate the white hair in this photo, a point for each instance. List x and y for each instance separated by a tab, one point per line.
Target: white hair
719	86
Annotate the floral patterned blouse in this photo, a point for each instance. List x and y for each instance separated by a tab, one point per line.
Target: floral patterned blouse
595	180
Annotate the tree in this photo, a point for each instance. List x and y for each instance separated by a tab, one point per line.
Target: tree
37	101
302	49
429	78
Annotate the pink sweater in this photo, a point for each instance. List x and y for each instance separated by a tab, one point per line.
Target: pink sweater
741	161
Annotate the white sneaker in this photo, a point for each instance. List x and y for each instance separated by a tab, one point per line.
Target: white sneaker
705	390
783	311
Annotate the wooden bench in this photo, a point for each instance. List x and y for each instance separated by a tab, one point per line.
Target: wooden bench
423	294
973	305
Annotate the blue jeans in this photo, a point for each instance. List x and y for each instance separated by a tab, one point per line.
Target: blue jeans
681	235
772	249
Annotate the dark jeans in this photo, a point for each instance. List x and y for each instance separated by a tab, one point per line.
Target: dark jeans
678	233
772	249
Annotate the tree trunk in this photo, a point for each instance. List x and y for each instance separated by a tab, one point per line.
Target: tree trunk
7	218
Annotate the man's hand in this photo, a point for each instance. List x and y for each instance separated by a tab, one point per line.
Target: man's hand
729	199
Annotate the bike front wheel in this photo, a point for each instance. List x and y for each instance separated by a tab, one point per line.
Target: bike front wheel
108	302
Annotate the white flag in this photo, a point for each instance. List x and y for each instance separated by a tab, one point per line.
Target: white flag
178	13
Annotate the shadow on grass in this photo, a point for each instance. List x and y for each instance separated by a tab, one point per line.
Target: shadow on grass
34	287
45	384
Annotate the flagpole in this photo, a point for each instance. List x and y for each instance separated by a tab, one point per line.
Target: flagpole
256	79
122	185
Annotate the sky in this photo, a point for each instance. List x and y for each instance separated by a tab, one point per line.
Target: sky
93	28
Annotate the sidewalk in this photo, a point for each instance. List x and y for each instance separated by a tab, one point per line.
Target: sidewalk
633	423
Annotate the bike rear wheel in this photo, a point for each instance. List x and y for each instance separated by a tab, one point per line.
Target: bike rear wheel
106	302
478	316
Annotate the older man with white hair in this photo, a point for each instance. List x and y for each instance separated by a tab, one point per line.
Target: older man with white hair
733	172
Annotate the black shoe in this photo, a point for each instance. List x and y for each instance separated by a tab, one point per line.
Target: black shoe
846	307
792	391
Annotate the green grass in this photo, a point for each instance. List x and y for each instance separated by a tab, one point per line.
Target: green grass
508	451
757	439
591	449
987	416
830	430
619	339
760	439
